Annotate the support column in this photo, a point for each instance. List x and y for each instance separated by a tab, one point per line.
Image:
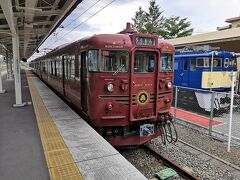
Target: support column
1	87
16	66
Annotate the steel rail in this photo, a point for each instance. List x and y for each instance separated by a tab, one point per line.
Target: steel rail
181	171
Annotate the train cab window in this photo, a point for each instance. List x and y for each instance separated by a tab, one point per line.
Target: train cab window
144	62
185	64
217	62
193	64
166	62
110	61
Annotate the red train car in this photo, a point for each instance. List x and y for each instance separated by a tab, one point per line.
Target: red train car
122	83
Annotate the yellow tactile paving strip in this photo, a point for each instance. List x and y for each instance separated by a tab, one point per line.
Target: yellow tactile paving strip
60	163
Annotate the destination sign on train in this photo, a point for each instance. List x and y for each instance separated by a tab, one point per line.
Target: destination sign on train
145	41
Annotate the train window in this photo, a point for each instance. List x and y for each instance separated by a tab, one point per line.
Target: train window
185	64
110	61
144	62
193	64
93	57
200	62
51	67
166	62
54	68
114	61
59	67
72	66
217	62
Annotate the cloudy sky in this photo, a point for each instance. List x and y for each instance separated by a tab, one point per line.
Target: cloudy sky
110	16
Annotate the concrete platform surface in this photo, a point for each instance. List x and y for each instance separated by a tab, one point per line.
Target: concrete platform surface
93	155
21	153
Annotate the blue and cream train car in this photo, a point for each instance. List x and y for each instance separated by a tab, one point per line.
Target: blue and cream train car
204	70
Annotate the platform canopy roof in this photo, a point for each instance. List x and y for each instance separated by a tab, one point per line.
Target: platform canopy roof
228	40
33	20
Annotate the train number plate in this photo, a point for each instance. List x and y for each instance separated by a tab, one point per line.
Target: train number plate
146	129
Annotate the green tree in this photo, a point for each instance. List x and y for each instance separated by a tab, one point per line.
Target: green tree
175	27
139	21
154	17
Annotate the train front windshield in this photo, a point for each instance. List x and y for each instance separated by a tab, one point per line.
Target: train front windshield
108	61
144	62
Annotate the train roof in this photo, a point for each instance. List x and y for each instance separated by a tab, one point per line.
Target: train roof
205	54
101	41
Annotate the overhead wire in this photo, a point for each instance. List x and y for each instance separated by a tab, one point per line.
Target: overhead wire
83	22
94	4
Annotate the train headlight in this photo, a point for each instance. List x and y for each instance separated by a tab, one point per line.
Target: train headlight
110	87
169	84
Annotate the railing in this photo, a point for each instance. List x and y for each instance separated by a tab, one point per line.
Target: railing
208	110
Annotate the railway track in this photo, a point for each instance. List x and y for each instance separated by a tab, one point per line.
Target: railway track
181	171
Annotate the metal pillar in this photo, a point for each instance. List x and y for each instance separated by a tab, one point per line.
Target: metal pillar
233	76
16	66
1	87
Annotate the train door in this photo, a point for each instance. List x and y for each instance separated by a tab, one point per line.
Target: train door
64	73
184	75
194	74
84	82
144	70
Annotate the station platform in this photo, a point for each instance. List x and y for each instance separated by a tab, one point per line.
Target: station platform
21	153
69	148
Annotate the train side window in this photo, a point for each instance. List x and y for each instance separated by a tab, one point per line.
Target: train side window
200	62
69	67
60	66
51	67
93	56
43	67
72	68
193	64
185	64
55	67
76	62
59	74
166	62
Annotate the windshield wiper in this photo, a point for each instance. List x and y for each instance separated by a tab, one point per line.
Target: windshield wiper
119	68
